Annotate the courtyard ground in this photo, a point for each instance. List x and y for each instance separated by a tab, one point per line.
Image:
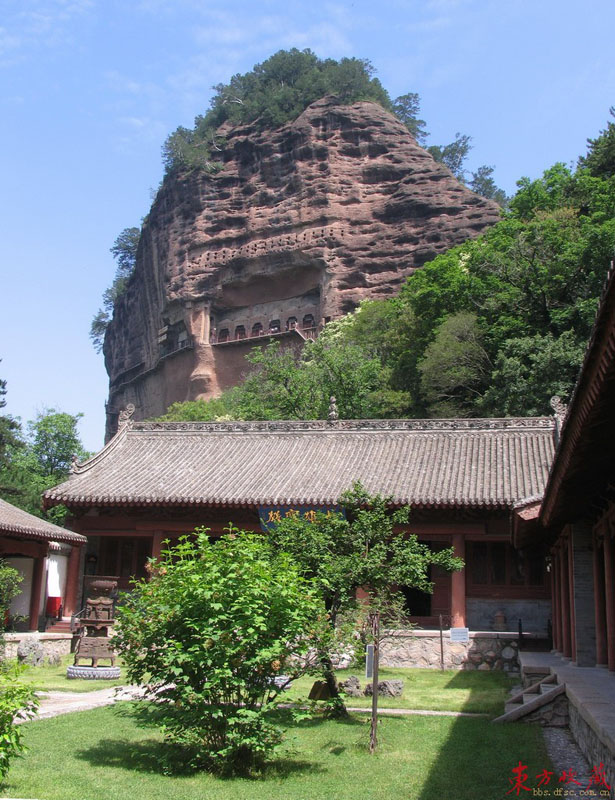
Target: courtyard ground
102	753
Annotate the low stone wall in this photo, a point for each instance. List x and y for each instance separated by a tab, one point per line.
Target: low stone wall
552	715
596	749
486	650
54	644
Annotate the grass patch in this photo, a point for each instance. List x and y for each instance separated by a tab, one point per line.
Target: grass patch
424	689
53	679
429	689
102	754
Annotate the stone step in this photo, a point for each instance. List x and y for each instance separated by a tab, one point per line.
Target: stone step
534	700
58	627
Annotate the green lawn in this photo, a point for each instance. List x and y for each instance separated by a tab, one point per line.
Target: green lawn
102	754
430	689
48	678
451	690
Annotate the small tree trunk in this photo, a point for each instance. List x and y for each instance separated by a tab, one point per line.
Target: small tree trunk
373	733
338	707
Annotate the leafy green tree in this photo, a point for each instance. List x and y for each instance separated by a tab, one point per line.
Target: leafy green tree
359	550
600	157
407	107
17	702
124	251
10	429
272	93
453	155
10	581
40	461
54	442
207	636
455	367
217	409
482	183
529	371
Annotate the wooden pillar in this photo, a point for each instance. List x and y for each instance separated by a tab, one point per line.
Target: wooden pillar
573	636
157	544
458	586
564	600
37	585
556	624
71	593
609	596
584	597
599	602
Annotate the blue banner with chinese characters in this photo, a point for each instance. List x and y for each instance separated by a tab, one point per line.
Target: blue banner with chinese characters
271	515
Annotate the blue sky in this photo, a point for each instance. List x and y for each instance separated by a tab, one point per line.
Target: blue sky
89	89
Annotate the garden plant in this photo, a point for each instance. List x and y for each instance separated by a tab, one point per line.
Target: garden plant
208	635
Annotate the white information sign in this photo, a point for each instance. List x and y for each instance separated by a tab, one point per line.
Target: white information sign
460	634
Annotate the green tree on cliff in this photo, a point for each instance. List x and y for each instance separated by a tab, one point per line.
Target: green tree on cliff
124	251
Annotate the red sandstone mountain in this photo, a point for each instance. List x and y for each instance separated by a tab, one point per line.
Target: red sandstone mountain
299	225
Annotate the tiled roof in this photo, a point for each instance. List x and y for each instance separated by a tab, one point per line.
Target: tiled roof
488	463
15	521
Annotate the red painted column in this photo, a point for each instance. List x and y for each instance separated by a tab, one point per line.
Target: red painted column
37	585
458	586
609	596
157	544
564	603
573	637
599	602
555	602
71	593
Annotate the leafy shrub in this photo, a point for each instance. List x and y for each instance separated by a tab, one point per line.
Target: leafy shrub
211	630
16	699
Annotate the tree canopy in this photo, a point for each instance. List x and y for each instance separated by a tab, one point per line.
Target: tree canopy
124	251
208	635
38	459
282	87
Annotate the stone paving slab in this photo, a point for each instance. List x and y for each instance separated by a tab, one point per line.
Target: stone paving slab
52	704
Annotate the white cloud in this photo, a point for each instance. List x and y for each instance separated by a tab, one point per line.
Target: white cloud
40	23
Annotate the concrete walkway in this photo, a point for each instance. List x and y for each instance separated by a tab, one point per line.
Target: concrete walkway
52	704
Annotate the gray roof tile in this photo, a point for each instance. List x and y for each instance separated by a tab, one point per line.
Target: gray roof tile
486	463
14	520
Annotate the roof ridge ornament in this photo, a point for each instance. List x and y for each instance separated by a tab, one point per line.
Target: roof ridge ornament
560	410
125	417
333	414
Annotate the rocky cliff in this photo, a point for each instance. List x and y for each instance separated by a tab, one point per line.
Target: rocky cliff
297	227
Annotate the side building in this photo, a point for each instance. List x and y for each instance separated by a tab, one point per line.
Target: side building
48	559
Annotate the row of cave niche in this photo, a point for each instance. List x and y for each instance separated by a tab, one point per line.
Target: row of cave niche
308	325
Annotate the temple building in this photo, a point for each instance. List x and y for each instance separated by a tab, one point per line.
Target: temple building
155	481
48	559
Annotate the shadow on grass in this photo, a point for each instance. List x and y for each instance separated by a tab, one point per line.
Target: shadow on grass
154	756
476	758
150	756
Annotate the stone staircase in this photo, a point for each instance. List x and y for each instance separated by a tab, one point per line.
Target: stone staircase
544	702
60	626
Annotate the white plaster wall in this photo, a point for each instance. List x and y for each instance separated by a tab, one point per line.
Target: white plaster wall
20	605
57	567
